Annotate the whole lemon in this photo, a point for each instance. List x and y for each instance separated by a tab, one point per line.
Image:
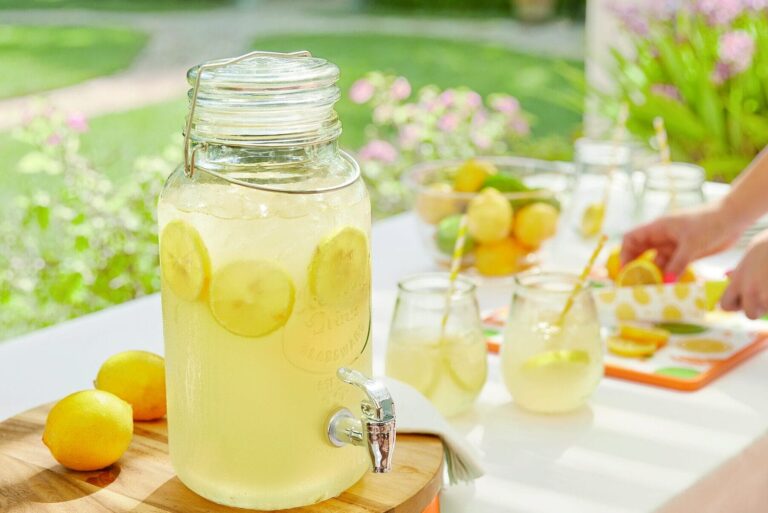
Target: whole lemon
137	377
472	174
489	216
499	258
535	223
88	430
436	202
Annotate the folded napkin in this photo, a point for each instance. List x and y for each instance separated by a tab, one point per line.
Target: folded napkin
415	414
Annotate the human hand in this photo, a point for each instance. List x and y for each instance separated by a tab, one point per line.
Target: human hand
684	236
748	288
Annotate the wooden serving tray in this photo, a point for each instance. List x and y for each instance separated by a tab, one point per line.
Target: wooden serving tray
142	481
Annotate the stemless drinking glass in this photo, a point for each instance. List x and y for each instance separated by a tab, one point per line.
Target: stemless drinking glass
449	370
671	187
550	367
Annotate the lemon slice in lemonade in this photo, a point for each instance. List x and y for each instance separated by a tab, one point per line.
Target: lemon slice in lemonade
184	260
466	364
251	298
557	358
340	269
592	219
415	364
639	272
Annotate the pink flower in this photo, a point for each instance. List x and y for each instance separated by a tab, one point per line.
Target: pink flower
666	90
448	122
718	12
506	104
361	91
720	74
54	139
474	100
447	98
480	118
408	136
755	5
380	150
401	88
77	122
520	126
482	141
630	17
736	50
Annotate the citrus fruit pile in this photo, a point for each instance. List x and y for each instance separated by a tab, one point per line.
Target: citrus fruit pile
501	231
637	341
91	429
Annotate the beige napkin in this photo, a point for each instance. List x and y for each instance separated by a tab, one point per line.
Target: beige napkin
415	414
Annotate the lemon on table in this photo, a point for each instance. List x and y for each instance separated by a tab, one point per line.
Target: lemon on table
137	377
499	258
630	348
466	364
489	216
89	430
639	272
535	223
251	298
340	270
644	334
184	262
436	202
472	174
592	219
613	263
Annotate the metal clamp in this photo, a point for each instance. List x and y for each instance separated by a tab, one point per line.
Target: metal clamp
189	157
375	429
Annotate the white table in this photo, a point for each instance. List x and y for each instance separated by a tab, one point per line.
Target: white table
633	450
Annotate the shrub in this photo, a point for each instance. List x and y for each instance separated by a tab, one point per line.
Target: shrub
82	244
701	64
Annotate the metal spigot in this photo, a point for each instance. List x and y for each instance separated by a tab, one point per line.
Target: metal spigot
376	427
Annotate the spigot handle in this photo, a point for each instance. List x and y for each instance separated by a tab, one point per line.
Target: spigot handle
379	405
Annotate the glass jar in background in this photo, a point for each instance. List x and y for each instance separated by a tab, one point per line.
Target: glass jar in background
551	368
599	164
670	187
450	370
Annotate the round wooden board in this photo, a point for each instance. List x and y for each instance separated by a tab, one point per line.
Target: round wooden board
143	481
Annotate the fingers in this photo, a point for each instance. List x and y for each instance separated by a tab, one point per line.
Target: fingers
682	256
745	295
642	238
731	299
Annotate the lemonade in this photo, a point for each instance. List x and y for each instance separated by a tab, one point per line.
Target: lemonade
265	267
550	368
449	372
266	382
448	366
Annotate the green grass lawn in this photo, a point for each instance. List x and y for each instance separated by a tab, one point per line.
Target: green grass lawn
115	140
114	5
42	58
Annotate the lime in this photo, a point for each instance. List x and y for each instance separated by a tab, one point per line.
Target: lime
505	182
448	231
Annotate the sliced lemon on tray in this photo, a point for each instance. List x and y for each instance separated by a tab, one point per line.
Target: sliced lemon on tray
644	334
639	272
184	260
251	298
339	272
630	348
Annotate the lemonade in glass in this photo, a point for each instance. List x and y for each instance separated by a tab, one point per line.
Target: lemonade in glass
265	264
548	366
447	366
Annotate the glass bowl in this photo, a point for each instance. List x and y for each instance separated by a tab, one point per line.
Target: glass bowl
438	209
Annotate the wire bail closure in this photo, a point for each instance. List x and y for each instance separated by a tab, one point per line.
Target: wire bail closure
189	156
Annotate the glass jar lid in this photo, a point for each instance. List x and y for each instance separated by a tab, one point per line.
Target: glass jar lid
264	99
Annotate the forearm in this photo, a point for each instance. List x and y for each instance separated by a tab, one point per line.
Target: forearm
748	198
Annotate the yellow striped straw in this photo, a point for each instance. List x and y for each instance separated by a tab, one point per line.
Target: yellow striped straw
665	155
581	280
458	254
